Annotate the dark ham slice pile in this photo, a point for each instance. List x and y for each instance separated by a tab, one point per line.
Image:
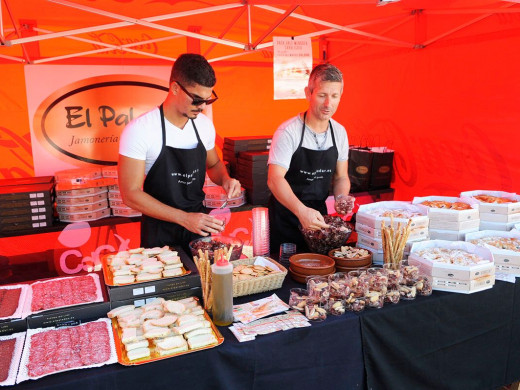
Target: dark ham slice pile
67	348
9	301
63	292
6	355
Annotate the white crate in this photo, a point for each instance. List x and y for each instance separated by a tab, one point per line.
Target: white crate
503	218
502	208
448	214
366	217
453	271
456	226
502	226
449	235
416	233
464	286
502	256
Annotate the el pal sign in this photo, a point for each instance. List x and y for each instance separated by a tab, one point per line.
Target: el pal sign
82	122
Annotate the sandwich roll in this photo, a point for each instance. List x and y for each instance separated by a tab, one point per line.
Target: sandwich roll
138	353
164	352
186	319
171	342
197	332
167	320
169	260
129	335
202	340
174	307
157	333
136	344
124	279
120	310
145	276
172	266
127	314
151	314
135	250
191	326
172	272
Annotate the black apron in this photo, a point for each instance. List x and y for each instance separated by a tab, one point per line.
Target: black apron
176	179
310	176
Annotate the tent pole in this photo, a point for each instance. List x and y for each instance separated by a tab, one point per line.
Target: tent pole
145	22
275	24
225	31
462	26
249	33
338	27
108	46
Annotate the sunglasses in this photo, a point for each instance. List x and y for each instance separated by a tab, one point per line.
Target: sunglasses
197	101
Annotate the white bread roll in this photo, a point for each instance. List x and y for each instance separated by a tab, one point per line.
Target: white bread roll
136	344
168	273
167	320
174	307
138	353
202	340
151	315
197	332
120	310
123	279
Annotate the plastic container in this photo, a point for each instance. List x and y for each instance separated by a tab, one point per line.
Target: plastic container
222	290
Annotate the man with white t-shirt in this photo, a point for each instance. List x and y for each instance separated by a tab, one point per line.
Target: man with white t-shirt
309	153
164	155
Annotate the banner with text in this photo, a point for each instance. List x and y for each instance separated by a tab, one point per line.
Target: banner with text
77	113
292	65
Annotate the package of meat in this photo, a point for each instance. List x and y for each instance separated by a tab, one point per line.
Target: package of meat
51	350
10	354
63	292
12	300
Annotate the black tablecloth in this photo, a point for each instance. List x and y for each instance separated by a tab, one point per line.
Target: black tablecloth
446	341
443	341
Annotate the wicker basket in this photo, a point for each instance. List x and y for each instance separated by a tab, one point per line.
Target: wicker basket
260	284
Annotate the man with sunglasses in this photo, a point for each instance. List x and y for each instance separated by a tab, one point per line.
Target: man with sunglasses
164	155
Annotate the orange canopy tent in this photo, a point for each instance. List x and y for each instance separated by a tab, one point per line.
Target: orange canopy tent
436	80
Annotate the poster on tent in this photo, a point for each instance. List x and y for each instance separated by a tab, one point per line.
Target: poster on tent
292	65
77	113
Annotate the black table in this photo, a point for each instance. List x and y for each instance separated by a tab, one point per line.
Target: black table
439	342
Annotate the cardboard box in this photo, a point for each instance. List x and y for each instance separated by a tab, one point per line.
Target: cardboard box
11	326
498	208
503	218
450	215
175	295
415	234
377	243
161	286
456	225
366	216
502	226
453	271
507	269
500	256
450	235
464	286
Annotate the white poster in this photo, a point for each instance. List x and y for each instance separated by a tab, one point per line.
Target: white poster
292	66
77	113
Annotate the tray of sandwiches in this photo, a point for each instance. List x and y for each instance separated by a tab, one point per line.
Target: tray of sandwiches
142	265
162	329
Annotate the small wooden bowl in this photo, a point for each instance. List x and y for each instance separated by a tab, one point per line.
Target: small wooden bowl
357	262
311	264
303	278
347	269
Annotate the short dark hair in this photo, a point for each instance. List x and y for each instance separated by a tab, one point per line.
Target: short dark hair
324	72
192	68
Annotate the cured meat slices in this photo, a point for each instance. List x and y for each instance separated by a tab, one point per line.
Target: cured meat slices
63	292
9	299
68	348
6	355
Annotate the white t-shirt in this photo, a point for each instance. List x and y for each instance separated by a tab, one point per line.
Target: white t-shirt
287	138
142	137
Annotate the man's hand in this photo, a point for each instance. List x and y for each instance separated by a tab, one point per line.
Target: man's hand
202	224
344	204
311	219
232	187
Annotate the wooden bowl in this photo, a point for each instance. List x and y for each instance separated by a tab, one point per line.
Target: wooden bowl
311	264
347	269
352	262
302	278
